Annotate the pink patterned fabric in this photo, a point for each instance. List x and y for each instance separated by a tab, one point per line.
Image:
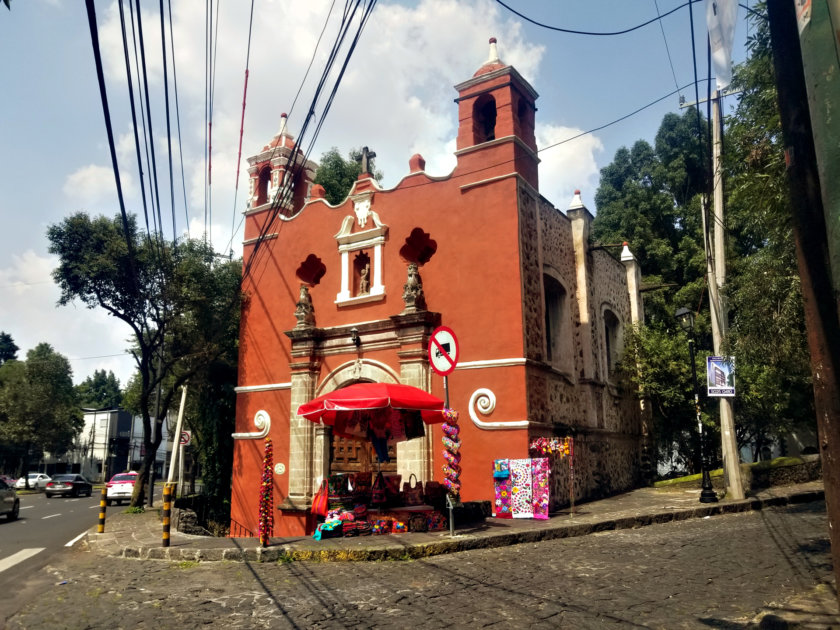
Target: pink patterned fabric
540	473
502	486
521	490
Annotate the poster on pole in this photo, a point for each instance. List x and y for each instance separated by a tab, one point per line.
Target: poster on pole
720	376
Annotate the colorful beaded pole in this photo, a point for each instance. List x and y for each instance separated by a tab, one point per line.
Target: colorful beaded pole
451	453
266	523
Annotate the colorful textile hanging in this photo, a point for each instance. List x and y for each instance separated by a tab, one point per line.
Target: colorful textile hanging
521	480
552	446
451	453
525	492
266	520
540	473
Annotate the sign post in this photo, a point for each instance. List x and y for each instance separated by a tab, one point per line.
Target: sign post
443	357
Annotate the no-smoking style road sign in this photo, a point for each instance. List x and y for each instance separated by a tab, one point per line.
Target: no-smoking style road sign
185	438
443	350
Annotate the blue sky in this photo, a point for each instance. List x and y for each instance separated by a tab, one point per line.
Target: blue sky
396	97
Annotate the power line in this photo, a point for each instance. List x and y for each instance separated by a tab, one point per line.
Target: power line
667	49
596	33
178	119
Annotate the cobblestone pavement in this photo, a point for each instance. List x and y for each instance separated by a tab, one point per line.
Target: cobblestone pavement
719	572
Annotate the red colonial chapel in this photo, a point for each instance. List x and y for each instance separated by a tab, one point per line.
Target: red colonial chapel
351	293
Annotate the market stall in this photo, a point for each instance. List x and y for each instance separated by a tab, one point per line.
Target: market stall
364	503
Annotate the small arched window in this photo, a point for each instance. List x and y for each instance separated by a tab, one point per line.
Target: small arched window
262	185
484	119
613	341
558	337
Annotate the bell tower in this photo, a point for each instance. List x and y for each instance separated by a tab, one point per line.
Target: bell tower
496	114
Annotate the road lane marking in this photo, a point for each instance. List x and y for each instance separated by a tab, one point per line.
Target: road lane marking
20	556
76	539
26	507
50	516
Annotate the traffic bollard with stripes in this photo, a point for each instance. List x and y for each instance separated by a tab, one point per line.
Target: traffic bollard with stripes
100	529
167	511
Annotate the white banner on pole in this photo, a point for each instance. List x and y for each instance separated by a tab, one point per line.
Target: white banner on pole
720	20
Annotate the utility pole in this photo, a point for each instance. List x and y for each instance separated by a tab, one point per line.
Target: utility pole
714	241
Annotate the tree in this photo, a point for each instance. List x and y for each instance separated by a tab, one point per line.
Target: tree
337	175
38	406
8	349
177	299
100	391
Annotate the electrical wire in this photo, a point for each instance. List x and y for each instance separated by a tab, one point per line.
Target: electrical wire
602	33
667	49
178	120
168	127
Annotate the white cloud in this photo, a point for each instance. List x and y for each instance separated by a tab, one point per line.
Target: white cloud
568	166
93	184
29	313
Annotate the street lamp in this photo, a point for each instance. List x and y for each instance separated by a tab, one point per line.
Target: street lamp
686	319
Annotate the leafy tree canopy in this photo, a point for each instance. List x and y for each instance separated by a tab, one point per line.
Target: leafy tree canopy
100	391
38	406
177	299
8	348
337	175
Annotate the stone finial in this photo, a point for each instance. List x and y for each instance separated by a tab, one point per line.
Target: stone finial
577	202
494	52
413	295
626	254
304	311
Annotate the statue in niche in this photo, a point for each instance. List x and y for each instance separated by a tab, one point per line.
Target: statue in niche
413	291
304	311
364	280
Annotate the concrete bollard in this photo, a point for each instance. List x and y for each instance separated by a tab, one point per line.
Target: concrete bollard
167	511
100	529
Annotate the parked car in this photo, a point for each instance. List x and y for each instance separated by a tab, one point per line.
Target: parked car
72	485
37	481
9	502
120	488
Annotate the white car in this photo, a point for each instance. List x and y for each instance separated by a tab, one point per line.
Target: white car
120	488
37	481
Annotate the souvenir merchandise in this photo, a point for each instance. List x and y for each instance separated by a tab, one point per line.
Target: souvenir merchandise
418	523
377	492
526	492
361	488
329	529
360	511
266	517
341	491
540	475
501	469
434	494
320	502
356	528
382	526
392	489
521	488
451	453
436	521
398	527
412	491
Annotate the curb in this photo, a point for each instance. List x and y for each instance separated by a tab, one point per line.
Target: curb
400	551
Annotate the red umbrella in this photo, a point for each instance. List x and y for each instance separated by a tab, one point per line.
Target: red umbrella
372	400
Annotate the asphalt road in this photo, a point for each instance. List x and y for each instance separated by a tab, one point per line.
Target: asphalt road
716	572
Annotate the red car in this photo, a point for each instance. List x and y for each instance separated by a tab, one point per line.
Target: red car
120	488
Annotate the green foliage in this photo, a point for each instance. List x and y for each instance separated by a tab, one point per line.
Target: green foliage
652	198
178	301
8	349
337	175
100	391
38	407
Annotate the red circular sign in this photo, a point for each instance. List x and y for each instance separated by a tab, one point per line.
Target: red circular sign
443	350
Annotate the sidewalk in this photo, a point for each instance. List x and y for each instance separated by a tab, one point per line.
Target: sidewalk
139	535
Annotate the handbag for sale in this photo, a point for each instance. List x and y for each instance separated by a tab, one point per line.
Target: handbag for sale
392	489
320	502
418	523
412	491
377	492
341	493
361	488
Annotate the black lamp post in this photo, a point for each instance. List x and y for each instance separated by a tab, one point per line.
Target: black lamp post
686	319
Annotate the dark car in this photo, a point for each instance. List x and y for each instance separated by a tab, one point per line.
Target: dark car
72	485
9	502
